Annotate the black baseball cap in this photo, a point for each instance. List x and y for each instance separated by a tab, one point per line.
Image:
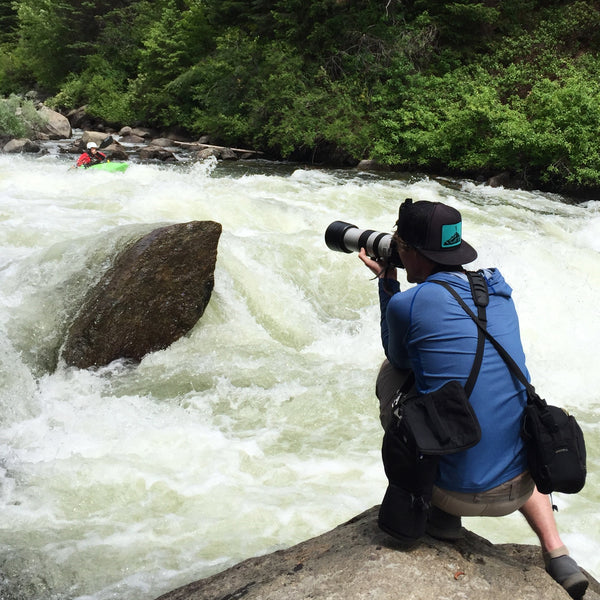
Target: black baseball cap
435	230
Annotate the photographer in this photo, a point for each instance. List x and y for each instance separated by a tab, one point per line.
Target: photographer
424	330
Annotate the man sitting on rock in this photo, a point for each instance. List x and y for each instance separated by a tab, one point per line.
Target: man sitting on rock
426	331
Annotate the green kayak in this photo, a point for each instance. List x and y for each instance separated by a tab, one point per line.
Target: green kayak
110	166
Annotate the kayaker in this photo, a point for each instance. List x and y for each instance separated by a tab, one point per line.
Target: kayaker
92	156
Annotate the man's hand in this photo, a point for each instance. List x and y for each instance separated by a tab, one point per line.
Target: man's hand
378	268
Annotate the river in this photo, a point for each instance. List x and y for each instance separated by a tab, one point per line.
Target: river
259	429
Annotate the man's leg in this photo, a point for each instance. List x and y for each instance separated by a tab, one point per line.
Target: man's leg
538	512
563	569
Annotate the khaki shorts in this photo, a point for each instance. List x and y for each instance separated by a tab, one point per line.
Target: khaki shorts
389	381
499	501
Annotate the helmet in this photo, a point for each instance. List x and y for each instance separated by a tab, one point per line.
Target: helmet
91	145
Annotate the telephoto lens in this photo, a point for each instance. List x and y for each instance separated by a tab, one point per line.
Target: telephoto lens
345	237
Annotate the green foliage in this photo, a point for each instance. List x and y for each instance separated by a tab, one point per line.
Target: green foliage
460	121
102	88
223	86
565	121
18	117
45	27
462	86
57	36
15	76
8	22
167	67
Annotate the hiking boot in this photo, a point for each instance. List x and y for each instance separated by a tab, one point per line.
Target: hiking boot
564	570
403	516
443	526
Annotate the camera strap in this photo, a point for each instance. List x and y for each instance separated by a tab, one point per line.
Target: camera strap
481	299
480	294
481	325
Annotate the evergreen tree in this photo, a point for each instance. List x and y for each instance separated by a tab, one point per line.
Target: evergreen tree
8	22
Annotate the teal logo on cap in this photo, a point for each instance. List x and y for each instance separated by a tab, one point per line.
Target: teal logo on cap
451	235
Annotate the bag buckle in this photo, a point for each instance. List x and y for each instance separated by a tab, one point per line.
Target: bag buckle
398	403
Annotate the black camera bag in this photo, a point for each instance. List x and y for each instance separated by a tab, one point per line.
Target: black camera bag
553	439
440	422
555	447
411	475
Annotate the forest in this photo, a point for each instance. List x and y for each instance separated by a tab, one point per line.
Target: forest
449	87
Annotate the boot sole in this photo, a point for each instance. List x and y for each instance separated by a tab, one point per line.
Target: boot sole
576	585
406	542
446	535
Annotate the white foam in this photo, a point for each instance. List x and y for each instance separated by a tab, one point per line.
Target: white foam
258	429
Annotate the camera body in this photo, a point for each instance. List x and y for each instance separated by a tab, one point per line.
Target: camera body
345	237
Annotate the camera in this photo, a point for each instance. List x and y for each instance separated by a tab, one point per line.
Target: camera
345	237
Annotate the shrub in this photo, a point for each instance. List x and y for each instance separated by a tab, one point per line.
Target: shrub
18	117
102	88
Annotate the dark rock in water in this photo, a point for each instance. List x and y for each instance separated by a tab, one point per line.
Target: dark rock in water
116	152
506	180
152	152
356	561
371	165
132	139
217	152
155	292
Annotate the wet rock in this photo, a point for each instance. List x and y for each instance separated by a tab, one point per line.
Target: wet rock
20	145
218	152
116	151
132	139
155	292
153	152
163	142
357	561
144	132
98	137
506	180
207	153
371	165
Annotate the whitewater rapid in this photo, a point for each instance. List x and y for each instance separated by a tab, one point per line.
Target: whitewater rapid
259	429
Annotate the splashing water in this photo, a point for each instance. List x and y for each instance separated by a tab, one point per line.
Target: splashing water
259	429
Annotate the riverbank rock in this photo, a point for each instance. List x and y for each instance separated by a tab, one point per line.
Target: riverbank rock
79	118
356	561
55	126
506	180
155	292
20	145
371	165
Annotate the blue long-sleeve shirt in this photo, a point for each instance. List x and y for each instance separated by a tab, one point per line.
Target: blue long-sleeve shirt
424	328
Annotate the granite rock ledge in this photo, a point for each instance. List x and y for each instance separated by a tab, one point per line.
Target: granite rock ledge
358	561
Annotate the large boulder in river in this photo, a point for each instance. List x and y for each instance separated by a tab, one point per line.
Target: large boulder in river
155	292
